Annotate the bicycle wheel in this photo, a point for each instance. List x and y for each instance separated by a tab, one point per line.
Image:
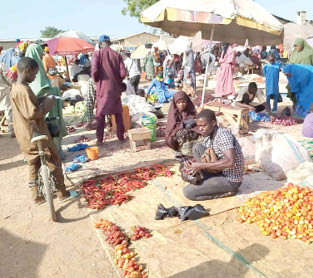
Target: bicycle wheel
47	189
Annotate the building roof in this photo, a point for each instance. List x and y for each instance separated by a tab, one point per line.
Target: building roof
134	35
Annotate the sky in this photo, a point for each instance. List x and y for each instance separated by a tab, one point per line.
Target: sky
25	19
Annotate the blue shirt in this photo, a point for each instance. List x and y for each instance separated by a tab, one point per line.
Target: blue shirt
271	73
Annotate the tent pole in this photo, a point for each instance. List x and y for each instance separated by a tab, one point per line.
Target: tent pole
68	73
207	67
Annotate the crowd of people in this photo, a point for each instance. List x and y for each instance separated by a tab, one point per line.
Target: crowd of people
211	157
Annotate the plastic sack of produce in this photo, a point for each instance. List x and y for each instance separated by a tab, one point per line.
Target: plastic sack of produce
277	153
302	175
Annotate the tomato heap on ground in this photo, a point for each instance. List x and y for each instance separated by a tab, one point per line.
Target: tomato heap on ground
285	213
124	258
112	189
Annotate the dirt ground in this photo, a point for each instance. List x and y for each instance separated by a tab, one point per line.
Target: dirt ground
215	246
31	246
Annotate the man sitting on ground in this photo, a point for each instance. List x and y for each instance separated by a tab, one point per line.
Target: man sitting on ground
221	177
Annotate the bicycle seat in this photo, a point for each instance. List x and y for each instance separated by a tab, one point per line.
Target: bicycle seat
39	138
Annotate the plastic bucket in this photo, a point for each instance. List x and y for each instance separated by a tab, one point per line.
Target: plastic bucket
150	122
92	153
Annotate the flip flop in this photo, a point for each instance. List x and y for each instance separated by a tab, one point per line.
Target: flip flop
73	194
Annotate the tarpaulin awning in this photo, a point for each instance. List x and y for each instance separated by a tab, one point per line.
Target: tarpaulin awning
234	21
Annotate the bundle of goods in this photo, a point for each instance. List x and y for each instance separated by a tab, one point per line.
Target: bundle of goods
285	213
277	153
136	104
285	121
124	258
259	117
113	189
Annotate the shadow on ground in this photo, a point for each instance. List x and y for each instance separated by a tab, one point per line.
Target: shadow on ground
19	257
238	266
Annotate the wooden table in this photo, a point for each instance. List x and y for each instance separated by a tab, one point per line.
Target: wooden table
236	116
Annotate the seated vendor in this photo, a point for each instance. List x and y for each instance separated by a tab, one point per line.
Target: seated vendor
307	128
160	89
246	97
180	112
222	177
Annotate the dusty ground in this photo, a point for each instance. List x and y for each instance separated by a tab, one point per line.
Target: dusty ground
30	245
216	246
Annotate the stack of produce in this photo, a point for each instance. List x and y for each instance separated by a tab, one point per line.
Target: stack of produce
285	213
139	232
285	121
113	189
124	258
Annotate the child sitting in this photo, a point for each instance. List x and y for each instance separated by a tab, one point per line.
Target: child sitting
271	72
29	118
246	98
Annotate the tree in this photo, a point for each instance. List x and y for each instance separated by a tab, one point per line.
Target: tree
135	7
50	32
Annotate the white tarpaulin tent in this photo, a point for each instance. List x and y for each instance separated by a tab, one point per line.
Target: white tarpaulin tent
140	52
164	42
179	46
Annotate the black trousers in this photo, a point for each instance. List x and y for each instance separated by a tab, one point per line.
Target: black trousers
134	81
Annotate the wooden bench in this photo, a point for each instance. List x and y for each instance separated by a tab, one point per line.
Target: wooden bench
236	116
136	135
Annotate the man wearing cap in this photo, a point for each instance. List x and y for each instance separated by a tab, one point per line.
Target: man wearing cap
108	71
50	65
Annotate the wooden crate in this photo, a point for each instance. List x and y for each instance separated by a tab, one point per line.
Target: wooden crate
237	116
136	135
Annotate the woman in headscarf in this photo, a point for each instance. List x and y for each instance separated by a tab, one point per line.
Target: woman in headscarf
302	55
41	86
224	83
181	110
300	78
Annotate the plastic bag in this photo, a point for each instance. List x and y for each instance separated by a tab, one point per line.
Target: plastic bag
183	213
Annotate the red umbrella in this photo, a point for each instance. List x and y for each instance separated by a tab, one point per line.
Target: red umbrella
68	46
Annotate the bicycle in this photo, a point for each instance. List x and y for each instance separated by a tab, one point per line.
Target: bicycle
45	180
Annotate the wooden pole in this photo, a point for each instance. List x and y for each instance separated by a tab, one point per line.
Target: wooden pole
68	73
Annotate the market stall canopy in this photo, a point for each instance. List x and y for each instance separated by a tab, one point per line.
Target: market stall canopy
164	42
140	52
293	31
68	46
234	21
76	34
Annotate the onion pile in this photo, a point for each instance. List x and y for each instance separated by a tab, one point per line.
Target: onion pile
285	121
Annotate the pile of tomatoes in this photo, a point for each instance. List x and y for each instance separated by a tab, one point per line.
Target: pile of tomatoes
113	189
139	232
124	258
285	213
